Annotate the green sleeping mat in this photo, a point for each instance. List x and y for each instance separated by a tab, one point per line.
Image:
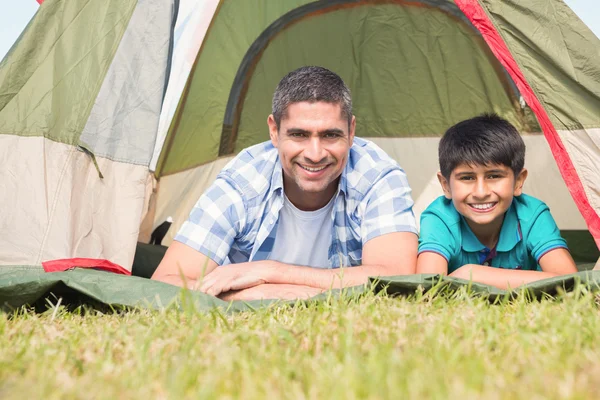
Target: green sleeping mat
32	286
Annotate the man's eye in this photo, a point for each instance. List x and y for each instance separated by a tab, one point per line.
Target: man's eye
297	135
331	135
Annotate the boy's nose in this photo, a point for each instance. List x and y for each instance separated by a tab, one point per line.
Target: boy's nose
481	189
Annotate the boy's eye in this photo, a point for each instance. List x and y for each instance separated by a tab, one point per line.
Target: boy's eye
493	176
466	178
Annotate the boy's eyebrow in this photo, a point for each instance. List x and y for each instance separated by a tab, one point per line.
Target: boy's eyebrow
464	173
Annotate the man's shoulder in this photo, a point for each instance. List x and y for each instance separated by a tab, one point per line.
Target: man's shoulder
251	171
367	164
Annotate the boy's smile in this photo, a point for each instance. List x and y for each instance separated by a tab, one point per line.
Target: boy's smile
482	194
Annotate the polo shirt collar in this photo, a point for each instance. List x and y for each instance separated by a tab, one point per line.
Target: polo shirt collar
510	233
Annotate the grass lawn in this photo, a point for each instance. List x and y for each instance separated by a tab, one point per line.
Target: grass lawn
368	346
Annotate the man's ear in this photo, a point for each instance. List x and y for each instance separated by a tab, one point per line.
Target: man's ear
352	131
519	182
273	131
445	185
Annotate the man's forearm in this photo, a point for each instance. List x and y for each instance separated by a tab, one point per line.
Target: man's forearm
498	277
178	280
269	291
327	278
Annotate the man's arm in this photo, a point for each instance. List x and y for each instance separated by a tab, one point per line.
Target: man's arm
183	266
554	263
270	291
386	255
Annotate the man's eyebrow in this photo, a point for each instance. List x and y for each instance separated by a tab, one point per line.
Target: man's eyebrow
296	130
336	131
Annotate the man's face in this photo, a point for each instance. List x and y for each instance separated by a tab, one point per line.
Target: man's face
313	141
483	193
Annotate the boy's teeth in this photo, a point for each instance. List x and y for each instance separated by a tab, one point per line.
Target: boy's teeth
313	169
484	206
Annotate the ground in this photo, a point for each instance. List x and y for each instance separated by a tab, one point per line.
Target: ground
367	346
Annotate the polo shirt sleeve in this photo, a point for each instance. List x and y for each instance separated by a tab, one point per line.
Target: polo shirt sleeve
435	236
544	235
214	222
388	207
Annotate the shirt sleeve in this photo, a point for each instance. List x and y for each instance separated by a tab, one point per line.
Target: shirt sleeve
215	221
388	207
544	235
435	236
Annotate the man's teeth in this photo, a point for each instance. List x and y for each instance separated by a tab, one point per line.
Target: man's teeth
483	206
313	169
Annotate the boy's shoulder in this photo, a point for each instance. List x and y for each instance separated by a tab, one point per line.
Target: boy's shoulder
528	208
443	209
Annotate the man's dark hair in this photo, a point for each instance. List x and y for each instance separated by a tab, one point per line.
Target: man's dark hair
483	140
311	84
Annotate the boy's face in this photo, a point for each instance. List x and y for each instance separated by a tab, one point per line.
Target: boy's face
483	193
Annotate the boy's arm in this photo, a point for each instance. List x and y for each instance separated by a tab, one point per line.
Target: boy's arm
558	262
498	277
554	263
432	263
436	244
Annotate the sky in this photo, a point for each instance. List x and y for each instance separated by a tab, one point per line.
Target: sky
16	14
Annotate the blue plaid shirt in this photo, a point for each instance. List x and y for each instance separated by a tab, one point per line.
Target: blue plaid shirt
235	220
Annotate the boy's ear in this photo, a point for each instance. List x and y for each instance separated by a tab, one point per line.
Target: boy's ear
445	185
519	182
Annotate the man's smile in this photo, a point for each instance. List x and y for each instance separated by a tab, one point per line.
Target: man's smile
314	168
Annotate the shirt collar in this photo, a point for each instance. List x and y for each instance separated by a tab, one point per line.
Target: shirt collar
510	233
277	177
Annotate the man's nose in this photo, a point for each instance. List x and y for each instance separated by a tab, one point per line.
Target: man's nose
314	152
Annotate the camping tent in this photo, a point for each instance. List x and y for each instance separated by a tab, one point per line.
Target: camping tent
93	140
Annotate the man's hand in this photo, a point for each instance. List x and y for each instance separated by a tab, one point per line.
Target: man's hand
270	291
235	277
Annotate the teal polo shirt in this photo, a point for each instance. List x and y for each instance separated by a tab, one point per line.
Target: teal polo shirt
528	232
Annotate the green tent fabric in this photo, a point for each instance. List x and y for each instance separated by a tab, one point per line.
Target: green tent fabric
31	285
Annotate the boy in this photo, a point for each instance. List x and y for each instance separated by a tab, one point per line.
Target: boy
484	229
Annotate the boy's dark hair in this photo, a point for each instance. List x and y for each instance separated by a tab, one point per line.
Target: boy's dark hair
483	140
311	84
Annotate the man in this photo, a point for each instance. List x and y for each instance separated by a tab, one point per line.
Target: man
284	215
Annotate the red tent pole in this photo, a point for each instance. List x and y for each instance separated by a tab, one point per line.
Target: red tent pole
478	17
